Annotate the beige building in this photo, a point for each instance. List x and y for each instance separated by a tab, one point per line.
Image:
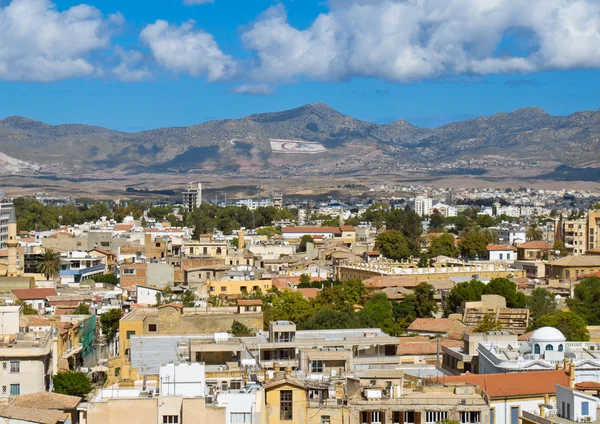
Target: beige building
571	268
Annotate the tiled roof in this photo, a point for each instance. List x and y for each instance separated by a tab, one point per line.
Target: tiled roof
500	247
31	294
249	302
577	261
123	227
536	244
103	251
514	384
434	325
47	400
347	228
587	385
33	415
309	293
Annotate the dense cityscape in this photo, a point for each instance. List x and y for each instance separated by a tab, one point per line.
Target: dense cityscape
410	303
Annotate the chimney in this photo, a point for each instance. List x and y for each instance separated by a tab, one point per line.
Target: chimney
147	240
276	367
288	371
542	411
566	363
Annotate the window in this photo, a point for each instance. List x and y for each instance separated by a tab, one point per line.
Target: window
285	405
536	349
223	288
325	419
372	417
549	347
130	272
129	334
212	288
236	385
3	390
514	415
157	245
15	389
170	419
560	347
508	256
15	366
117	371
152	328
470	417
240	417
317	366
409	417
585	408
501	256
432	417
4	365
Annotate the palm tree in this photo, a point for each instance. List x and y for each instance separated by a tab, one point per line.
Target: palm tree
49	264
534	232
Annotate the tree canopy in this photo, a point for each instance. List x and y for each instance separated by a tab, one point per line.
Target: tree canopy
586	301
443	245
571	324
71	383
394	245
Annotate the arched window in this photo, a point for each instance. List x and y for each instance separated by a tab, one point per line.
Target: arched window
218	250
549	347
560	348
536	349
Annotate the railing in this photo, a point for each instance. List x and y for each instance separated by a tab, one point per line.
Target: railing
411	400
535	418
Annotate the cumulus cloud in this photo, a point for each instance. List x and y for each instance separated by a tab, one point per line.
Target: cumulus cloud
186	49
39	43
406	40
130	67
254	89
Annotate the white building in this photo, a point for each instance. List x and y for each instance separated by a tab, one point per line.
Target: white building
27	357
5	209
423	205
192	197
186	379
546	349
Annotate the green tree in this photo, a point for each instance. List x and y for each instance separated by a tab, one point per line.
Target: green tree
436	221
27	308
488	323
443	245
338	296
377	313
534	232
239	329
393	245
423	261
541	302
106	278
71	383
586	302
571	324
506	288
376	214
473	244
304	240
109	323
425	304
286	305
82	309
49	264
464	292
304	279
328	318
484	221
188	298
560	247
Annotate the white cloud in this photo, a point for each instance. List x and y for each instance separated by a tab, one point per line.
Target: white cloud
406	40
130	68
185	49
254	89
39	43
194	2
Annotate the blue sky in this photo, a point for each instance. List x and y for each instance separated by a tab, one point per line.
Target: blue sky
133	65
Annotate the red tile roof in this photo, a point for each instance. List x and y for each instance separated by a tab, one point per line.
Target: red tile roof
309	293
500	247
249	302
123	227
428	347
32	294
536	244
514	384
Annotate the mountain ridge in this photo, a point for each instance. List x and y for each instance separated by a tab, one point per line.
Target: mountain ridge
241	146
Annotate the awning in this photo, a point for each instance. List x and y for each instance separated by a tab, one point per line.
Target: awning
72	352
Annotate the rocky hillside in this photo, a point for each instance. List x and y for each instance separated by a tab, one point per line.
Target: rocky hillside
241	145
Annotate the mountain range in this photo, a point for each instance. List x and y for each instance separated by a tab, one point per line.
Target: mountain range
559	147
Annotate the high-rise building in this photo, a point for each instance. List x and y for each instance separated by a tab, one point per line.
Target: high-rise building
192	197
423	205
5	212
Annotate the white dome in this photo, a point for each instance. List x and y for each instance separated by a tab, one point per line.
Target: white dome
547	334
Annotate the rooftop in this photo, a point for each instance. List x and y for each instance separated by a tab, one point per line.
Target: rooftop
47	400
33	415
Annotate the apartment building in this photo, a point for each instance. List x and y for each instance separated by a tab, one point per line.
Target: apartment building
192	196
5	211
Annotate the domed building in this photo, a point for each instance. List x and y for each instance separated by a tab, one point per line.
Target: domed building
546	349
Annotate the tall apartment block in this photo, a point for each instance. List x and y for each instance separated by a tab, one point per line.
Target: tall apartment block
192	197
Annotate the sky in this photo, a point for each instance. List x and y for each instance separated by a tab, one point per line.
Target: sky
140	64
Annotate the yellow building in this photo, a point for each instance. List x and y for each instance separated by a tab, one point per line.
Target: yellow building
236	288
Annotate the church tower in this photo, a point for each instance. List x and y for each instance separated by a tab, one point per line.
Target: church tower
12	244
